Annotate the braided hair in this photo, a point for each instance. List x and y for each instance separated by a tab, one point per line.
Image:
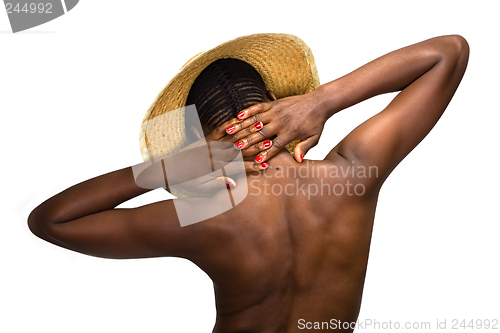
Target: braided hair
223	89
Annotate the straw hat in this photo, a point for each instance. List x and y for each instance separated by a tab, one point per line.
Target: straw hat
284	61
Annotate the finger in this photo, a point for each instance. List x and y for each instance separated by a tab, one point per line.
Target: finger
241	129
257	148
246	140
278	143
220	131
303	147
264	133
253	166
234	125
254	109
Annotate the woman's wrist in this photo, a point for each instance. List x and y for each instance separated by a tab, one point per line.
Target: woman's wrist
325	100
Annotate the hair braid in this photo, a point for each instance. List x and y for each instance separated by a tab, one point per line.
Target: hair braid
223	89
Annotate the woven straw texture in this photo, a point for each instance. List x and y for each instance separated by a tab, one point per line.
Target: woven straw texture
284	61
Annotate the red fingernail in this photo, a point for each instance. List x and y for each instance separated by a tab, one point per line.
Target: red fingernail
241	114
259	159
267	143
258	125
230	129
264	164
239	144
301	158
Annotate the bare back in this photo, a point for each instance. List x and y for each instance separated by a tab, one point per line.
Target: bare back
295	248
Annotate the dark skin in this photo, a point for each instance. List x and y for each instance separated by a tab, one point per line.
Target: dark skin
278	258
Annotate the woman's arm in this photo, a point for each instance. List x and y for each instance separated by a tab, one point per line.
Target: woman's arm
83	218
303	117
427	73
92	196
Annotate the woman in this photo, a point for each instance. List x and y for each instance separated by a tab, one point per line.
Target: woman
292	254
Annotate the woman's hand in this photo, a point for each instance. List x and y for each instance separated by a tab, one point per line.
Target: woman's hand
221	152
196	168
292	118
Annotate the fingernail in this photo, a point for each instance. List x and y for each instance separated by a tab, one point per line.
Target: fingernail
264	164
239	144
230	129
259	159
301	158
241	114
258	125
229	185
267	143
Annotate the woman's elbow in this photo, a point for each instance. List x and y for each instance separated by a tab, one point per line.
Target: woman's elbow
462	48
38	225
457	49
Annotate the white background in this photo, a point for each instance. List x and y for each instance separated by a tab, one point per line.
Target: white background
73	95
